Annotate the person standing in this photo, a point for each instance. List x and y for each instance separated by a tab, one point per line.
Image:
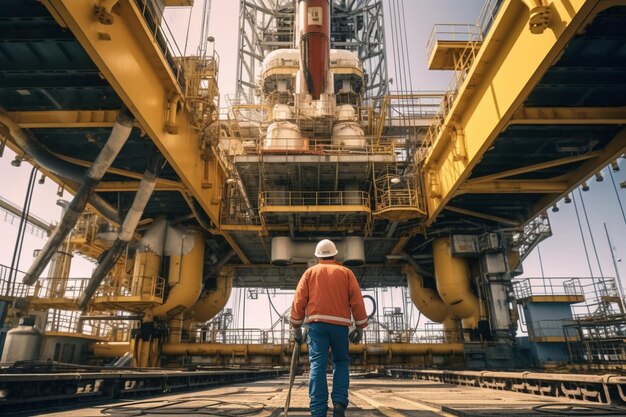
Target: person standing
326	297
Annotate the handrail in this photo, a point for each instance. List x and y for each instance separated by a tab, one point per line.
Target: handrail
313	198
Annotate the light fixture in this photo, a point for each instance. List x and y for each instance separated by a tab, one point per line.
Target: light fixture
395	180
623	184
567	199
42	179
614	166
17	161
585	186
555	209
599	177
60	190
231	181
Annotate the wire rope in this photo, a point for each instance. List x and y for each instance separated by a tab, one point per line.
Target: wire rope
582	235
19	241
619	201
593	242
187	34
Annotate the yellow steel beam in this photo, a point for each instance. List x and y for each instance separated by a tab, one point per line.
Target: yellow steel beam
64	118
533	168
514	186
126	54
575	178
483	216
510	63
569	115
122	186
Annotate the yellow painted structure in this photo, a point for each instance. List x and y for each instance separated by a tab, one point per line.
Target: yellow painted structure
453	284
510	62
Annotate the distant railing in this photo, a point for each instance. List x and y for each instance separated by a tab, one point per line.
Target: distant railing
284	336
313	198
150	286
599	295
453	33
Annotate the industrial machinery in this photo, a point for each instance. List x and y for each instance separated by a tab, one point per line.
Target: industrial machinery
178	203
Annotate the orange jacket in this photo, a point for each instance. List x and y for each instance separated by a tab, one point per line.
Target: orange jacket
328	292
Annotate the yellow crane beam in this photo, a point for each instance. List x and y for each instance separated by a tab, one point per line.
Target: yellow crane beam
126	52
510	63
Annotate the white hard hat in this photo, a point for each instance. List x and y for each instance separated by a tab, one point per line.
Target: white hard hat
325	248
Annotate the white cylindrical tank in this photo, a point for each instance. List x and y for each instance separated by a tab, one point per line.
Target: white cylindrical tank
281	251
353	250
345	113
283	136
348	135
282	112
22	343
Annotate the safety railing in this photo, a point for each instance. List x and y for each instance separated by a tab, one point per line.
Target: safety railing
60	288
532	234
163	38
140	286
405	110
473	36
11	283
347	146
398	192
595	296
453	33
313	198
528	287
283	336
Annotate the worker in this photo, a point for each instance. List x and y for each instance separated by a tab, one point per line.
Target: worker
326	297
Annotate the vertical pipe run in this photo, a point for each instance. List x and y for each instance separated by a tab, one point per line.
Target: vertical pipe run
118	137
146	187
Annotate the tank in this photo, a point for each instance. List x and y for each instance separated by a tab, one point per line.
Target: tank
22	343
284	136
348	135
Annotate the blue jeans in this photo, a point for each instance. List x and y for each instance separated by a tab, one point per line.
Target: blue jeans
321	337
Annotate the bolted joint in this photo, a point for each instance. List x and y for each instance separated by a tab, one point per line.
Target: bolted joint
539	19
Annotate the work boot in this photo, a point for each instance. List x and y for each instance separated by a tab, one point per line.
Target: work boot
339	410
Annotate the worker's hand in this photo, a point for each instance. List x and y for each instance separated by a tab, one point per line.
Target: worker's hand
355	335
297	335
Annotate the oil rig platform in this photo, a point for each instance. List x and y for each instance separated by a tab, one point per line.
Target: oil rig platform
179	197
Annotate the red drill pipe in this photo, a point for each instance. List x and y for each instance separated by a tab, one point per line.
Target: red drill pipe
314	24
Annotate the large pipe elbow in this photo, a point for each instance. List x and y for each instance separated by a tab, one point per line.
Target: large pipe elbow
212	301
185	276
453	284
426	300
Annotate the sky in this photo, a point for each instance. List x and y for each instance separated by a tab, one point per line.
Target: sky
562	255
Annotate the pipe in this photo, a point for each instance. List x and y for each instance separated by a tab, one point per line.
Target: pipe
213	301
426	300
453	284
60	168
118	137
171	125
110	350
185	272
146	187
314	32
